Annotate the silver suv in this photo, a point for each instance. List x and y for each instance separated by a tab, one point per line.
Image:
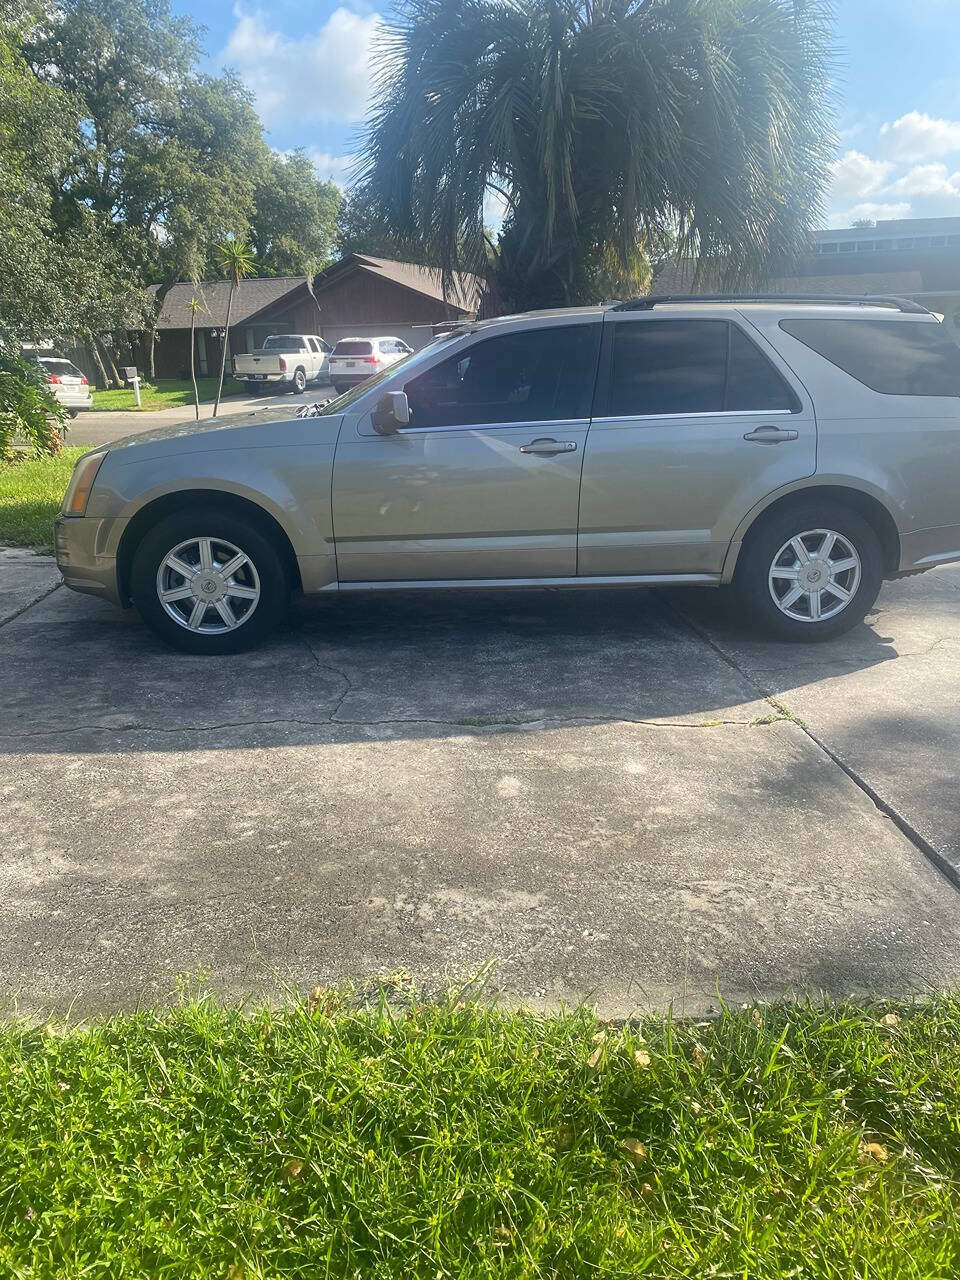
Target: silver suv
802	450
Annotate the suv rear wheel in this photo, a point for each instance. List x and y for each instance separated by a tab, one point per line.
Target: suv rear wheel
810	572
209	582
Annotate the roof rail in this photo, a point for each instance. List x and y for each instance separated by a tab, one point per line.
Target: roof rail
863	300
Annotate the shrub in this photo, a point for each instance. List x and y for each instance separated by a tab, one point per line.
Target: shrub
27	406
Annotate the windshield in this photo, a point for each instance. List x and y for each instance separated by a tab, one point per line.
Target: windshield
281	343
408	362
61	367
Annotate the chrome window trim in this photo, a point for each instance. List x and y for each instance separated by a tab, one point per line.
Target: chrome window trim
538	424
716	413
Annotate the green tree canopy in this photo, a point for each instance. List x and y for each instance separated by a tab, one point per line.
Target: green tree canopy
294	223
605	123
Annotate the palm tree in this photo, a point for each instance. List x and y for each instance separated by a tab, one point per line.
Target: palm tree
196	305
236	260
602	124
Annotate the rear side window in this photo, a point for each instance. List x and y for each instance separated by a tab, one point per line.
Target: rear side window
894	357
535	375
753	382
663	367
353	349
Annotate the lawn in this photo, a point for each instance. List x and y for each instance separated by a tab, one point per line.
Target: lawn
166	393
344	1138
30	497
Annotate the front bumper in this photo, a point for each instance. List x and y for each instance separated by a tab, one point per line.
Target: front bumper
86	551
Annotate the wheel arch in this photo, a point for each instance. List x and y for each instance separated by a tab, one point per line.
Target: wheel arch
166	504
865	504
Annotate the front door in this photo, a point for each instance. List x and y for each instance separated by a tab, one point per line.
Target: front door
485	481
696	422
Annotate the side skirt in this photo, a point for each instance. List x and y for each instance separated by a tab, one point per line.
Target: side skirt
459	584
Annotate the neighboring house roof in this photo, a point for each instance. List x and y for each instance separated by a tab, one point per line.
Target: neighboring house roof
260	293
251	296
463	294
678	277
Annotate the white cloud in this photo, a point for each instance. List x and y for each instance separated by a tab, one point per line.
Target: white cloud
332	168
874	210
917	136
321	75
931	180
855	174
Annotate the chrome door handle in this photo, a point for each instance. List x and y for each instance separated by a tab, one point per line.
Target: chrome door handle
548	447
771	435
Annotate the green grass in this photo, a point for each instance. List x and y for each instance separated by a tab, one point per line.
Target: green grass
166	393
30	497
460	1141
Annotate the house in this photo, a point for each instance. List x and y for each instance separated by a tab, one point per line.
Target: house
917	258
359	294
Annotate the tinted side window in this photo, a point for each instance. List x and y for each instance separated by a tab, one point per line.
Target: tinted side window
532	376
894	357
668	366
753	382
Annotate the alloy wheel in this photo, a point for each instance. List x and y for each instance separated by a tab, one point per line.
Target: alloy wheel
208	585
815	575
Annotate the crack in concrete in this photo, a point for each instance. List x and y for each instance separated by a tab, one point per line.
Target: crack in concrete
552	721
18	613
341	675
948	870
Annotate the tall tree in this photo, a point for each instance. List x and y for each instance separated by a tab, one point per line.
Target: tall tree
237	261
603	123
295	215
167	159
364	227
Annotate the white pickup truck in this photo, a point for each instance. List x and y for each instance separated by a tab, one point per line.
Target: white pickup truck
286	361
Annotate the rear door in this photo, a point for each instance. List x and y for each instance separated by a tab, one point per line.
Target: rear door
485	481
696	420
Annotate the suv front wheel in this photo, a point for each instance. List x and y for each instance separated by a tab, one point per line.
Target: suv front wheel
209	582
810	572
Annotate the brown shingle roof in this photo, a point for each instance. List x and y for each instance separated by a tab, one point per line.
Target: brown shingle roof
252	295
464	293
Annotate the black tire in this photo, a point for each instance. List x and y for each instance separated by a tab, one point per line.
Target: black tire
752	578
245	534
73	413
339	387
299	382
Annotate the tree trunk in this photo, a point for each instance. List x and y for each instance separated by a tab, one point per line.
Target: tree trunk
193	370
223	352
117	381
95	357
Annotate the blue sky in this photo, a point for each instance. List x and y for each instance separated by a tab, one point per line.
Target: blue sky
898	91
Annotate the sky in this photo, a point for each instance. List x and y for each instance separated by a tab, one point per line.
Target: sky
897	92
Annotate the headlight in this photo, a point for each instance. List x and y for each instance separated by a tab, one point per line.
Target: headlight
81	482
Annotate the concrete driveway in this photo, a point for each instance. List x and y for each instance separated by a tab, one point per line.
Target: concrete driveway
93	428
615	796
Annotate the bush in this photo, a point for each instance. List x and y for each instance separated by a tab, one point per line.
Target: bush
27	407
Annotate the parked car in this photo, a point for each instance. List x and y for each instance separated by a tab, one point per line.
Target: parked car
69	384
800	451
353	360
286	362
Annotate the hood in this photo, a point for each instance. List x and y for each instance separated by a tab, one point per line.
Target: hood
188	432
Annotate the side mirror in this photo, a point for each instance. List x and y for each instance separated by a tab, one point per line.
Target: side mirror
392	413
